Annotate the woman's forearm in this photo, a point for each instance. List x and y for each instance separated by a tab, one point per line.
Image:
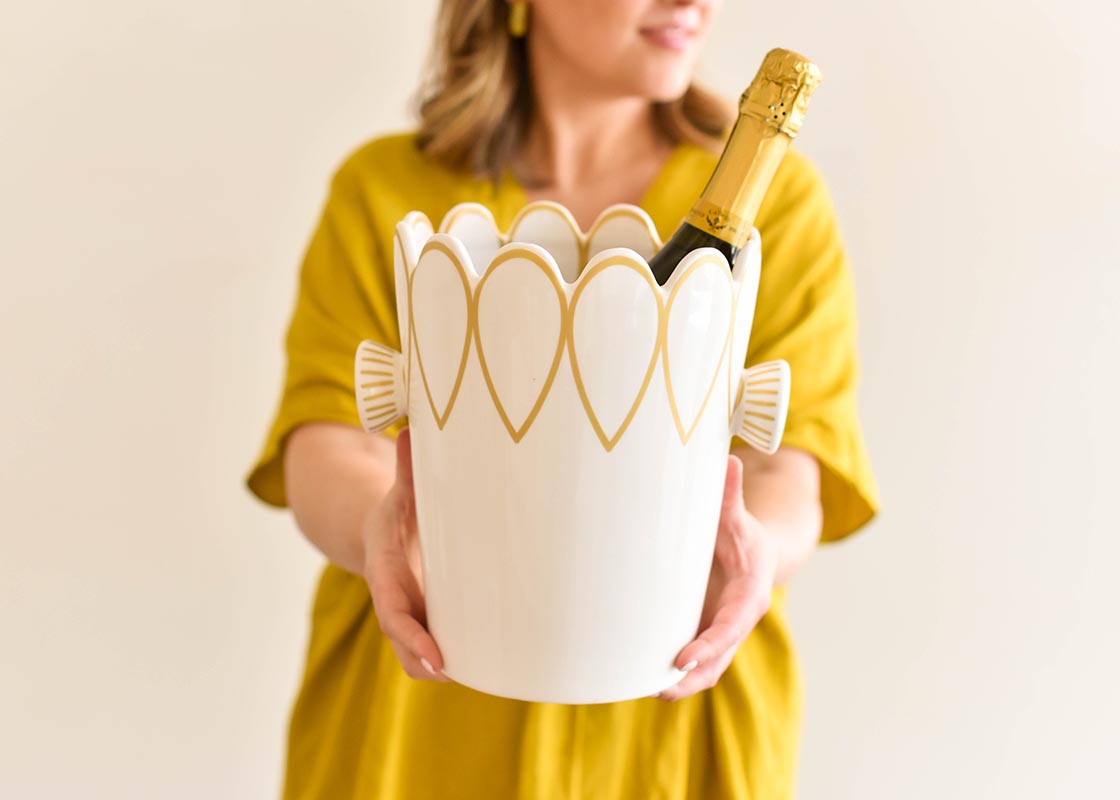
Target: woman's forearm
334	474
783	492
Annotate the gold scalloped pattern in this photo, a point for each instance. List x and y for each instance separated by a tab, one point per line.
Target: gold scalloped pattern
518	431
441	418
567	314
610	440
686	432
582	240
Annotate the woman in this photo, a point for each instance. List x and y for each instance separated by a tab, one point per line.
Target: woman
587	103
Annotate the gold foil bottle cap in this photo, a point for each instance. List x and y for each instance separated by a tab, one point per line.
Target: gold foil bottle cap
780	92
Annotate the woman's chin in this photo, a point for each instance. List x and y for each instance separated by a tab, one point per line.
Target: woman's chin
665	88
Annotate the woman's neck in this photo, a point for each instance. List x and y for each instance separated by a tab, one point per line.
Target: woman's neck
576	137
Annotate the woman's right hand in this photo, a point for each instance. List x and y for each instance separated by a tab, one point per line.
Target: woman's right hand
395	575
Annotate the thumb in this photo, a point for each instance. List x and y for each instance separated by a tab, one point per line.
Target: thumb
404	457
733	483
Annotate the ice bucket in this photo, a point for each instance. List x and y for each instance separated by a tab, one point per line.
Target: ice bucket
570	424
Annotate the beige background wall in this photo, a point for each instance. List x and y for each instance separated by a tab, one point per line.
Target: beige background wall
161	166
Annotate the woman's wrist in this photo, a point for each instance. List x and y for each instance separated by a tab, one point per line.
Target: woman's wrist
781	492
334	485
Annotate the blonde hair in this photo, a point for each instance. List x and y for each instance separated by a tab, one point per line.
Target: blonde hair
474	102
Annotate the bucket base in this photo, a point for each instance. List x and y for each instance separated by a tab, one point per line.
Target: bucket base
674	678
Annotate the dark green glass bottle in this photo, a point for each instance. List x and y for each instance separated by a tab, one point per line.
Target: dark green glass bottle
771	111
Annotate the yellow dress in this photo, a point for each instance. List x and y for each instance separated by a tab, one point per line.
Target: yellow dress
360	726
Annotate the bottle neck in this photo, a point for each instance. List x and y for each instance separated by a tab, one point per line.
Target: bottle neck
729	203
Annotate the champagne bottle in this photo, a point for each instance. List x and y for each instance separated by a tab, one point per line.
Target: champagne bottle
771	111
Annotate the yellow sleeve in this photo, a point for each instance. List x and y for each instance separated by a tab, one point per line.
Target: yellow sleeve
345	294
806	314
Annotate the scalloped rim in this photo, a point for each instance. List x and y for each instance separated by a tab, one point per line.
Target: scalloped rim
416	235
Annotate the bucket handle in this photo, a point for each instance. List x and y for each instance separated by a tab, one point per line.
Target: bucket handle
379	385
761	405
759	417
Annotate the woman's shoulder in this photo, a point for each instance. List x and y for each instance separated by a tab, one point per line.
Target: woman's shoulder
799	186
384	159
392	176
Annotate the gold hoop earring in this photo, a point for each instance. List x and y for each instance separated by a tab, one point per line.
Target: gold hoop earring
518	18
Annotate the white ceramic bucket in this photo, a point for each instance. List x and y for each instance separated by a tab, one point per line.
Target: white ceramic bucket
570	431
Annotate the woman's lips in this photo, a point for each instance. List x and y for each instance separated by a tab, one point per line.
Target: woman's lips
672	37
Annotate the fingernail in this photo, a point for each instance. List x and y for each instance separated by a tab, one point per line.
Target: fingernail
427	666
689	665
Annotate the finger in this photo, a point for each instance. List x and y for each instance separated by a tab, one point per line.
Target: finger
741	604
699	679
399	607
404	457
707	656
416	649
733	484
420	669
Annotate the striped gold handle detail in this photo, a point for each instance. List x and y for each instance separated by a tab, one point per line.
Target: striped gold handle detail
379	385
761	405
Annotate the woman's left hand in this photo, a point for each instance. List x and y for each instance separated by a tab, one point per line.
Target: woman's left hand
742	578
